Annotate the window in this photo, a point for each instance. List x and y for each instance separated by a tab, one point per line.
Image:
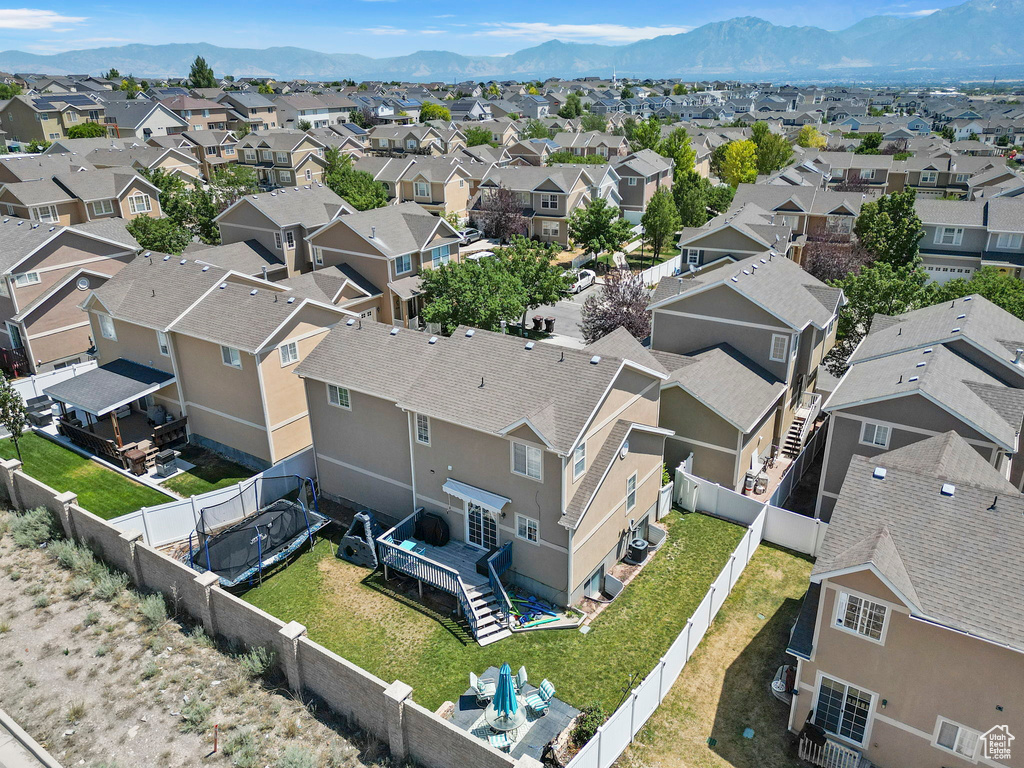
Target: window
421	189
961	178
47	213
957	739
72	116
309	175
211	150
1008	240
107	327
868	174
289	353
440	255
250	155
780	346
949	235
631	180
163	344
693	256
861	616
631	492
285	177
549	228
229	151
842	709
549	201
527	529
929	177
25	278
840	225
875	434
526	460
102	207
289	240
231	357
277	240
318	255
793	222
403	264
139	204
422	429
338	396
266	155
579	461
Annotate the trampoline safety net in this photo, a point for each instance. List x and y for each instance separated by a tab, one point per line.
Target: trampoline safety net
254	497
239	549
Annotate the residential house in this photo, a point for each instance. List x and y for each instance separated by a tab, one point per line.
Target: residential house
77	197
946	367
47	118
470	109
199	114
534	107
592	143
744	231
141	119
438	184
212	149
179	162
533	152
282	158
963	236
407	139
253	111
641	174
44	166
763	313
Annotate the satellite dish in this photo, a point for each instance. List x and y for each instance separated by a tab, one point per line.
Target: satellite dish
624	450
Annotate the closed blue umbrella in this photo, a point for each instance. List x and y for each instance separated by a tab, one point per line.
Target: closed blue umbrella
505	702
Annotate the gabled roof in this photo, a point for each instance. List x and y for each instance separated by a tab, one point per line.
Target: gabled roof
395	230
953	558
310	206
21	237
249	257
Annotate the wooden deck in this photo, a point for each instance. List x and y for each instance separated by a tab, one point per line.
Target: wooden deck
460	556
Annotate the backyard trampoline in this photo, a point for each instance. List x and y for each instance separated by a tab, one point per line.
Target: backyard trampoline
260	526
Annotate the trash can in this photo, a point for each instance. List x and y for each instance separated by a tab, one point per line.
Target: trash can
549	324
136	461
537	321
748	482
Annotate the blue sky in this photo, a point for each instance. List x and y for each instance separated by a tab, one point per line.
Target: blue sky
395	27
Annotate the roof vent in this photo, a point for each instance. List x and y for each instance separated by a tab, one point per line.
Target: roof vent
879	473
350	321
968	298
927	351
207	267
373	232
183	262
948	489
52	228
735	279
1017	357
432	340
595	360
920	365
167	258
394	331
960	317
222	286
469	333
147	254
956	330
529	345
291	299
253	292
913	378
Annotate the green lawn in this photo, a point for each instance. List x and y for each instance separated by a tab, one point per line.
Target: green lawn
100	490
356	615
638	262
210	473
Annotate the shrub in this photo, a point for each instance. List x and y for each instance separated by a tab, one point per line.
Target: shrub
194	716
109	585
41	600
73	556
257	662
241	748
79	587
590	719
92	617
76	711
296	757
35	527
153	610
150	670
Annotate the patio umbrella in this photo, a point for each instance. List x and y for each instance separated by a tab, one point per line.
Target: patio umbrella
505	702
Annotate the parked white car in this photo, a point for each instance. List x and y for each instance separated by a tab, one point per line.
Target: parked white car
477	255
583	280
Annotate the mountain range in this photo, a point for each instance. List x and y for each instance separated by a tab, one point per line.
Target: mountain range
979	38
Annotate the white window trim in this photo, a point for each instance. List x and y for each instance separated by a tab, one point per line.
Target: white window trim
579	456
289	240
102	207
1010	236
693	256
842	598
277	241
420	185
528	520
416	425
960	727
634	479
163	344
875	425
46	214
339	404
23	279
528	447
318	255
940	235
289	352
871	708
228	361
771	350
398	259
103	329
140	204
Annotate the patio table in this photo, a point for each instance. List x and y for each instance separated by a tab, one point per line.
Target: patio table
502	724
411	545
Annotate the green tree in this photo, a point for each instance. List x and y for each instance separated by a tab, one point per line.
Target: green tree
1005	291
591	122
890	228
660	221
112	74
264	88
9	91
37	146
869	143
304	125
533	266
87	130
773	153
720	198
476	137
535	129
676	146
565	156
739	164
129	86
758	131
678	89
452	218
359	188
493	90
232	182
201	74
477	293
811	137
532	91
163	235
598	227
690	193
972	136
948	133
646	134
13	413
626	93
431	111
572	107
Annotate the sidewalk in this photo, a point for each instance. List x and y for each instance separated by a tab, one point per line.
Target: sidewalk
19	750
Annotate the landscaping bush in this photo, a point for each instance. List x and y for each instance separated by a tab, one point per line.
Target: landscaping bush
241	748
79	587
153	610
35	527
72	556
296	757
590	719
110	585
257	662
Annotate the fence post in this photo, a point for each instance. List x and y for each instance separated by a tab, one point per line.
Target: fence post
689	624
750	537
732	559
600	731
207	581
290	634
195	515
632	716
395	696
67	522
661	680
130	539
711	605
9	467
145	528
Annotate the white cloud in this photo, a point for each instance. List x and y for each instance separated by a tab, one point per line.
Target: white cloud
445	16
925	12
612	33
386	31
34	18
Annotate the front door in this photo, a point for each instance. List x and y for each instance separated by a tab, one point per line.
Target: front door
482	529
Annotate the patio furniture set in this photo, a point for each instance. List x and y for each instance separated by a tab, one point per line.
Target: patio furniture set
506	703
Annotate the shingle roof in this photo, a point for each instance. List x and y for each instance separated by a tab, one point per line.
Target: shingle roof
20	237
44	166
37	192
102	389
311	206
100	184
249	257
591	480
955	557
399	229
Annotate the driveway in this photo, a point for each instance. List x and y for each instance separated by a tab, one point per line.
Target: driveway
567	314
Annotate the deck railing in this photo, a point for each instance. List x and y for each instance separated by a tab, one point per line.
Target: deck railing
831	754
90	441
497	565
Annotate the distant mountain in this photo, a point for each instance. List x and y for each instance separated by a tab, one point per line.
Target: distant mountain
979	37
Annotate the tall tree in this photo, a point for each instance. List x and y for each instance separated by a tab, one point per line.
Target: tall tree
535	129
476	137
533	266
87	130
358	188
201	74
869	144
591	122
13	413
163	235
476	293
626	93
739	165
9	91
432	111
678	89
890	228
646	134
773	153
811	137
660	221
690	193
621	303
500	215
598	227
112	74
676	146
572	107
232	182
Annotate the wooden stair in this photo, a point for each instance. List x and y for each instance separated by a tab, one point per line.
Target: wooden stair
490	628
794	442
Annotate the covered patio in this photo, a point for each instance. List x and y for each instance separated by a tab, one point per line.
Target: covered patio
107	411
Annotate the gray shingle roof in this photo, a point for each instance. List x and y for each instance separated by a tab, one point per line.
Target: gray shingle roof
43	166
311	206
247	256
20	237
38	192
956	558
591	481
109	386
400	229
100	184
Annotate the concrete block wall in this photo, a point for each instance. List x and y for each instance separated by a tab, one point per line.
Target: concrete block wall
386	711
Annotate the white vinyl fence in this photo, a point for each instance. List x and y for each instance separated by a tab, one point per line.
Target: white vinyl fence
33	386
175	520
667	268
764	523
795	471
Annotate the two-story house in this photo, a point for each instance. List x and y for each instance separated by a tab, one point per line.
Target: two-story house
961	236
745	230
746	340
77	197
47	117
199	114
282	158
252	110
553	449
439	184
406	139
141	119
951	366
174	160
641	174
211	149
918	571
592	143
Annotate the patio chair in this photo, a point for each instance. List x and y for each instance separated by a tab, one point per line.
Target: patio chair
520	680
500	741
484	687
540	700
